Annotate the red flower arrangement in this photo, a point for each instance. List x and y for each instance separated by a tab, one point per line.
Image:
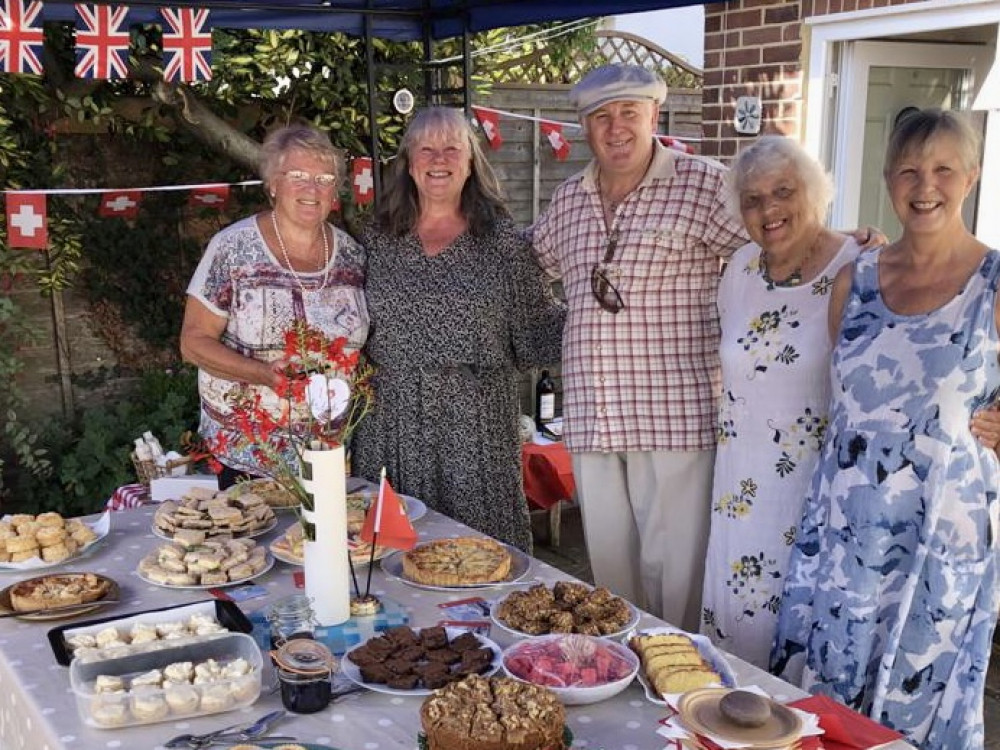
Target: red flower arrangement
324	394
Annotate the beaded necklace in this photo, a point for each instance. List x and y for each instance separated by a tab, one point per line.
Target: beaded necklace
288	262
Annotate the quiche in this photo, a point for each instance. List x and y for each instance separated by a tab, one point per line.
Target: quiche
63	590
456	562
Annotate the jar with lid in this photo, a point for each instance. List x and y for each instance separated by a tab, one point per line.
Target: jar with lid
290	618
305	669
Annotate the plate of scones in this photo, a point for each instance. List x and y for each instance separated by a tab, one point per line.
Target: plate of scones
32	542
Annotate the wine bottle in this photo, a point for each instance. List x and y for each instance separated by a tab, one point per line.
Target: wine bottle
545	400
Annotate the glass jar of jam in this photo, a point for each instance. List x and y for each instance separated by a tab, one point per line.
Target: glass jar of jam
305	668
291	617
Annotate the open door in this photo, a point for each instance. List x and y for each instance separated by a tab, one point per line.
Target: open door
879	80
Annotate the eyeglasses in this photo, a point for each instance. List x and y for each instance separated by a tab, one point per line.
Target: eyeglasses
606	293
300	178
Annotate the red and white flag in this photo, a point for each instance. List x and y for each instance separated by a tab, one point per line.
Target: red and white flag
671	142
553	132
362	180
386	523
27	223
121	203
101	45
187	44
210	196
20	38
490	123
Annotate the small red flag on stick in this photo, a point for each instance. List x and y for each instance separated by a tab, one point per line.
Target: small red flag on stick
386	522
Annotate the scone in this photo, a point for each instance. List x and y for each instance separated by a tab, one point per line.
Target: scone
215	698
148	703
181	698
109	710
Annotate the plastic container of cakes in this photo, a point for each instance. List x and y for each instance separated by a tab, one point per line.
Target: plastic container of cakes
196	679
112	637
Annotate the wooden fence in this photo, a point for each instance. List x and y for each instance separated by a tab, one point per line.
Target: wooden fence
69	346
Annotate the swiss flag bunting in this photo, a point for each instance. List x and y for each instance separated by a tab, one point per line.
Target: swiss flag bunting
386	522
490	123
362	180
121	203
671	142
554	133
210	196
101	44
27	223
20	38
187	44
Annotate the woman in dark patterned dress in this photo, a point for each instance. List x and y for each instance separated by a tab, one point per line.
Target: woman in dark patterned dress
457	308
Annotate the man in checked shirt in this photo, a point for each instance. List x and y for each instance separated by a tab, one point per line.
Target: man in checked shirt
638	238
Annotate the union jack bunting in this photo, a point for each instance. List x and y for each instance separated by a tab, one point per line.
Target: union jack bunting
20	40
187	45
101	47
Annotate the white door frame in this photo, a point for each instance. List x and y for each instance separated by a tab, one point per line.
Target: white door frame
859	57
822	34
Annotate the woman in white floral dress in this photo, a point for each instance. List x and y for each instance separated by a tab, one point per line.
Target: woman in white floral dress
775	354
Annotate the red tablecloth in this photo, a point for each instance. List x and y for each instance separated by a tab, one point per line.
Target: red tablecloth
548	474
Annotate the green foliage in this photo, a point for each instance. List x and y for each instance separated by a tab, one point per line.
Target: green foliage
90	452
143	266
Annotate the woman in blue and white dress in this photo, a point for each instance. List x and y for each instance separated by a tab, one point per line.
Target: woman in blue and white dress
890	598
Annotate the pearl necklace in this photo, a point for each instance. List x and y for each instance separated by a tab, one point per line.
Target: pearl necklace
288	262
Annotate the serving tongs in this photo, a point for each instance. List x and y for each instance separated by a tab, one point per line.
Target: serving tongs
233	735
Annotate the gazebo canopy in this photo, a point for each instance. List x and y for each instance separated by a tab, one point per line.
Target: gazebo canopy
398	20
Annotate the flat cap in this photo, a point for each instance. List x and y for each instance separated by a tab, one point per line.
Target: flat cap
614	82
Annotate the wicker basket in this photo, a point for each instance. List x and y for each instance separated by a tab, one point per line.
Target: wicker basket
149	470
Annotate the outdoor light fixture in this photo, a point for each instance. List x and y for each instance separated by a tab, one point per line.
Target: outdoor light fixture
748	115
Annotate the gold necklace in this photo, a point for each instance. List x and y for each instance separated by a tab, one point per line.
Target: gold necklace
288	262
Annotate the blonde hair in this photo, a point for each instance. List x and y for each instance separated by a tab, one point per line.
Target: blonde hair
915	129
279	142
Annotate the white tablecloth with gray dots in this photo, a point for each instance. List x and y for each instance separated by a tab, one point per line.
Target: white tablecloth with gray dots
38	709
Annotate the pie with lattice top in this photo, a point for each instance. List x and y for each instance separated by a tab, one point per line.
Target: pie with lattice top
457	562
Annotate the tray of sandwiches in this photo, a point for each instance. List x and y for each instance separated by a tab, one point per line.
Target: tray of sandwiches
673	662
121	635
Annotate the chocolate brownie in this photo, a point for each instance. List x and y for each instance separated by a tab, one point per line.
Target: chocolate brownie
434	637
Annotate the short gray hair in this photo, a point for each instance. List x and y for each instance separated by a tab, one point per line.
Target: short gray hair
303	138
772	152
916	128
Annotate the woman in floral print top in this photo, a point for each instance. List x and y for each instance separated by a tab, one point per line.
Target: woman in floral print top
775	354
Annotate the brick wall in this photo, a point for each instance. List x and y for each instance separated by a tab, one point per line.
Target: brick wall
754	48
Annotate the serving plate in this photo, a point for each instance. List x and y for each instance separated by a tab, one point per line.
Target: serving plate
101	527
361	500
520	564
360	555
634	616
247	535
110	597
206	586
352	672
699	712
276	496
705	647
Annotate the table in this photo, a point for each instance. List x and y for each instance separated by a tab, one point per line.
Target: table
547	470
38	710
